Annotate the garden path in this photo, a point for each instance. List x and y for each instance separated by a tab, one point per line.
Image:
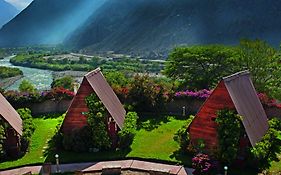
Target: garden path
98	166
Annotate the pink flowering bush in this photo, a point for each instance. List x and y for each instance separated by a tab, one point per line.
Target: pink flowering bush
16	97
267	101
201	94
201	164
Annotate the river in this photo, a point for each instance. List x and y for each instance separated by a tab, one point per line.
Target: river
41	79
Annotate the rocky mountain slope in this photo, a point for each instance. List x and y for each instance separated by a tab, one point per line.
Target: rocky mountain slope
47	22
158	25
146	27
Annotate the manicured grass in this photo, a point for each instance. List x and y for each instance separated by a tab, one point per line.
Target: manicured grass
44	131
158	143
153	141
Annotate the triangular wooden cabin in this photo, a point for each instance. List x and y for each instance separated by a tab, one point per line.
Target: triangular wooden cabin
234	92
14	130
93	82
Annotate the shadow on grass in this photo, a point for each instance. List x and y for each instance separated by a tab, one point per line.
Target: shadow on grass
49	116
78	157
152	121
183	157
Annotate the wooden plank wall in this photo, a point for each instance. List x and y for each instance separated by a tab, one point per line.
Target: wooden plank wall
74	118
203	125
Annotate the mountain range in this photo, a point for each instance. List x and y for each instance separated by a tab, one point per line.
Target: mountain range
46	22
7	12
143	26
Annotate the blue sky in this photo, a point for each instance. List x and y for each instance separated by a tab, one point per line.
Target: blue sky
20	4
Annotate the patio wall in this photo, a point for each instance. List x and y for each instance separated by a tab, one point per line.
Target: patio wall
47	107
174	107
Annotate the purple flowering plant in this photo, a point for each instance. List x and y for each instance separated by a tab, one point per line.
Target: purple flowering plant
201	164
201	94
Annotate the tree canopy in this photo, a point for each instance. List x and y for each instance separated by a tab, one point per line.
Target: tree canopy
200	67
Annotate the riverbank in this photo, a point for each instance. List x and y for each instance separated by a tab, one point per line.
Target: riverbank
76	75
7	82
41	79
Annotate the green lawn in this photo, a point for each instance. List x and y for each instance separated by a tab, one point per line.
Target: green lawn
158	143
44	131
153	141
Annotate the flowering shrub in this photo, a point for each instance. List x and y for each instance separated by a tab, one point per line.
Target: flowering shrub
59	94
16	97
201	164
267	101
201	94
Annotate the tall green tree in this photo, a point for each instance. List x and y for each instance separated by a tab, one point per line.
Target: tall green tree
263	62
200	67
27	86
66	82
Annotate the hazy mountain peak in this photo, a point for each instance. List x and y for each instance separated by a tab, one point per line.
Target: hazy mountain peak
7	12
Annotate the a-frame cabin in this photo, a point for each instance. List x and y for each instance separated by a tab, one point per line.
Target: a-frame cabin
233	92
93	82
13	131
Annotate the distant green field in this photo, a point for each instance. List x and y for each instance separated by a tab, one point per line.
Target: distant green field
7	72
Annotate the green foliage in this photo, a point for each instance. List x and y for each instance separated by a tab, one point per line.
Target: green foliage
267	150
7	72
127	134
263	62
146	95
26	86
229	132
28	127
117	79
182	136
2	139
200	67
95	134
53	62
96	119
66	82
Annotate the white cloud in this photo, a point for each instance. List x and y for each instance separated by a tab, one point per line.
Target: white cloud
20	4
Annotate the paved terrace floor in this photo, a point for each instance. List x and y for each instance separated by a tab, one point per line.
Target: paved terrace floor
98	166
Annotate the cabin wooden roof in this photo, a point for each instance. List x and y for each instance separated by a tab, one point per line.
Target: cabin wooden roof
247	104
10	115
107	96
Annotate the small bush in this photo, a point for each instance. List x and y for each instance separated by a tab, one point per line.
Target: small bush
2	138
201	164
229	130
269	147
66	82
28	128
182	136
96	119
127	134
26	86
